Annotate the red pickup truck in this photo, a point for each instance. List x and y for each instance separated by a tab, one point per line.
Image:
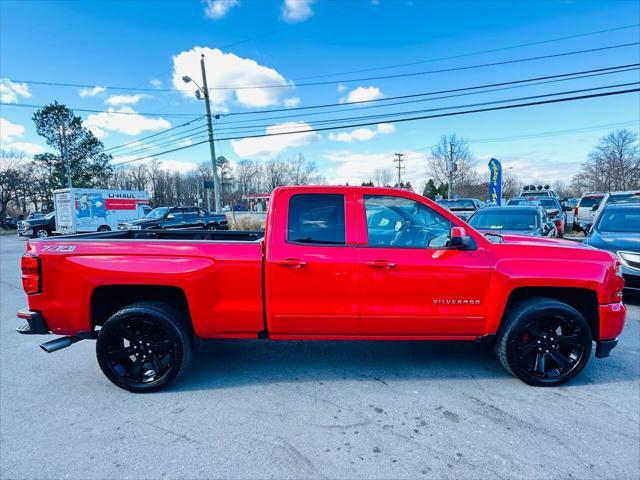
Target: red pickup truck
334	263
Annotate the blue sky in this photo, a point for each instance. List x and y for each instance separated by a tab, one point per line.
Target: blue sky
150	45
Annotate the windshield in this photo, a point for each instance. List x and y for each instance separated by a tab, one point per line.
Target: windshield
504	220
462	204
157	213
49	216
620	220
523	201
589	201
625	198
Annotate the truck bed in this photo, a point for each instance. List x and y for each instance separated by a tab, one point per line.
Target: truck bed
210	235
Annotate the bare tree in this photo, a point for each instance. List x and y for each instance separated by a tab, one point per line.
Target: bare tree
12	175
276	174
302	171
455	149
613	164
382	177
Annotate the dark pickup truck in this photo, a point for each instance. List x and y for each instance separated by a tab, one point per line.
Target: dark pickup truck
178	217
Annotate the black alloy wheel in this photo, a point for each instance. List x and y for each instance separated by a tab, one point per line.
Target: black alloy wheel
144	347
545	343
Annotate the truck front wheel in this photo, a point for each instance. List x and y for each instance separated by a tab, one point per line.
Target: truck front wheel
144	347
544	342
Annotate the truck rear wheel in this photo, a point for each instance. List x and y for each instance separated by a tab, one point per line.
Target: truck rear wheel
144	347
544	342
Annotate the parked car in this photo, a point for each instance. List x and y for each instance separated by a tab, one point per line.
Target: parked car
583	213
11	222
41	226
178	217
555	210
616	197
462	207
617	229
531	221
325	269
572	204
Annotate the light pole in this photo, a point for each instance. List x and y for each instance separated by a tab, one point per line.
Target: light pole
205	91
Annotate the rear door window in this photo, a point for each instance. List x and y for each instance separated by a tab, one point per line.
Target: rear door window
589	201
316	219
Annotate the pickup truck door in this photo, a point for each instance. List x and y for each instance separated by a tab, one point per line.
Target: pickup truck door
192	218
411	283
174	219
311	268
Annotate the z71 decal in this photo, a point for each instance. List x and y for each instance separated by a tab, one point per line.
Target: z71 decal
59	248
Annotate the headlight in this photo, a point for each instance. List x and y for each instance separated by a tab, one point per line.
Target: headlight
630	259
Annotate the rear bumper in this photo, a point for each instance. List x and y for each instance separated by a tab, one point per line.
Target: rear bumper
612	318
35	323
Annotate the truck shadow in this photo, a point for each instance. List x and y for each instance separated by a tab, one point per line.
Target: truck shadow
220	364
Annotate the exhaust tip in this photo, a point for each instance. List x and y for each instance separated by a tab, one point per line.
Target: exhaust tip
58	344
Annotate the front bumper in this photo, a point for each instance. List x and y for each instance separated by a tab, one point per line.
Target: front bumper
631	280
26	233
35	323
612	318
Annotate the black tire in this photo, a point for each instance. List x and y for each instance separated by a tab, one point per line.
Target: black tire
544	342
104	228
41	232
212	227
144	347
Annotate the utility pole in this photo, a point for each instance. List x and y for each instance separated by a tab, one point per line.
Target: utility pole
65	155
399	166
451	169
212	148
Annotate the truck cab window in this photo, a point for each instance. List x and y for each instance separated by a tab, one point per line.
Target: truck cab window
316	219
401	222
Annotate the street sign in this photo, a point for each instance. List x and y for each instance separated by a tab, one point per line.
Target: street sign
209	184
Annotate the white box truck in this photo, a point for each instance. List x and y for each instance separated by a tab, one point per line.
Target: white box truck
80	210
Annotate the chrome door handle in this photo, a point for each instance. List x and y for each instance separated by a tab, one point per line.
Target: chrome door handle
380	264
291	263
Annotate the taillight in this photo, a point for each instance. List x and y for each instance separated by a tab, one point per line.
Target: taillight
575	211
30	274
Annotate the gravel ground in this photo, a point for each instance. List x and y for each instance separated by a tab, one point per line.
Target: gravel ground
250	409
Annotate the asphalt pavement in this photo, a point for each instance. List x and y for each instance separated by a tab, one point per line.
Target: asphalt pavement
256	409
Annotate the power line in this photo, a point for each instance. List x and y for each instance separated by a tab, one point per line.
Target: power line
234	124
449	114
366	124
87	110
603	70
480	52
349	80
156	134
429	72
173	141
412	112
160	153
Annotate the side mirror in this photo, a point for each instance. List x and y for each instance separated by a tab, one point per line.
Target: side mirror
595	207
170	216
460	240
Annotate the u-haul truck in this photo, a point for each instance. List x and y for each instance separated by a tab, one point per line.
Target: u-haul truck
80	210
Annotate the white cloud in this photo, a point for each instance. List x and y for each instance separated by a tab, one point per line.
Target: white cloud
291	102
270	147
92	92
132	124
228	69
178	165
26	147
294	11
11	91
341	87
117	100
8	130
350	167
219	8
363	94
185	143
155	83
362	134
